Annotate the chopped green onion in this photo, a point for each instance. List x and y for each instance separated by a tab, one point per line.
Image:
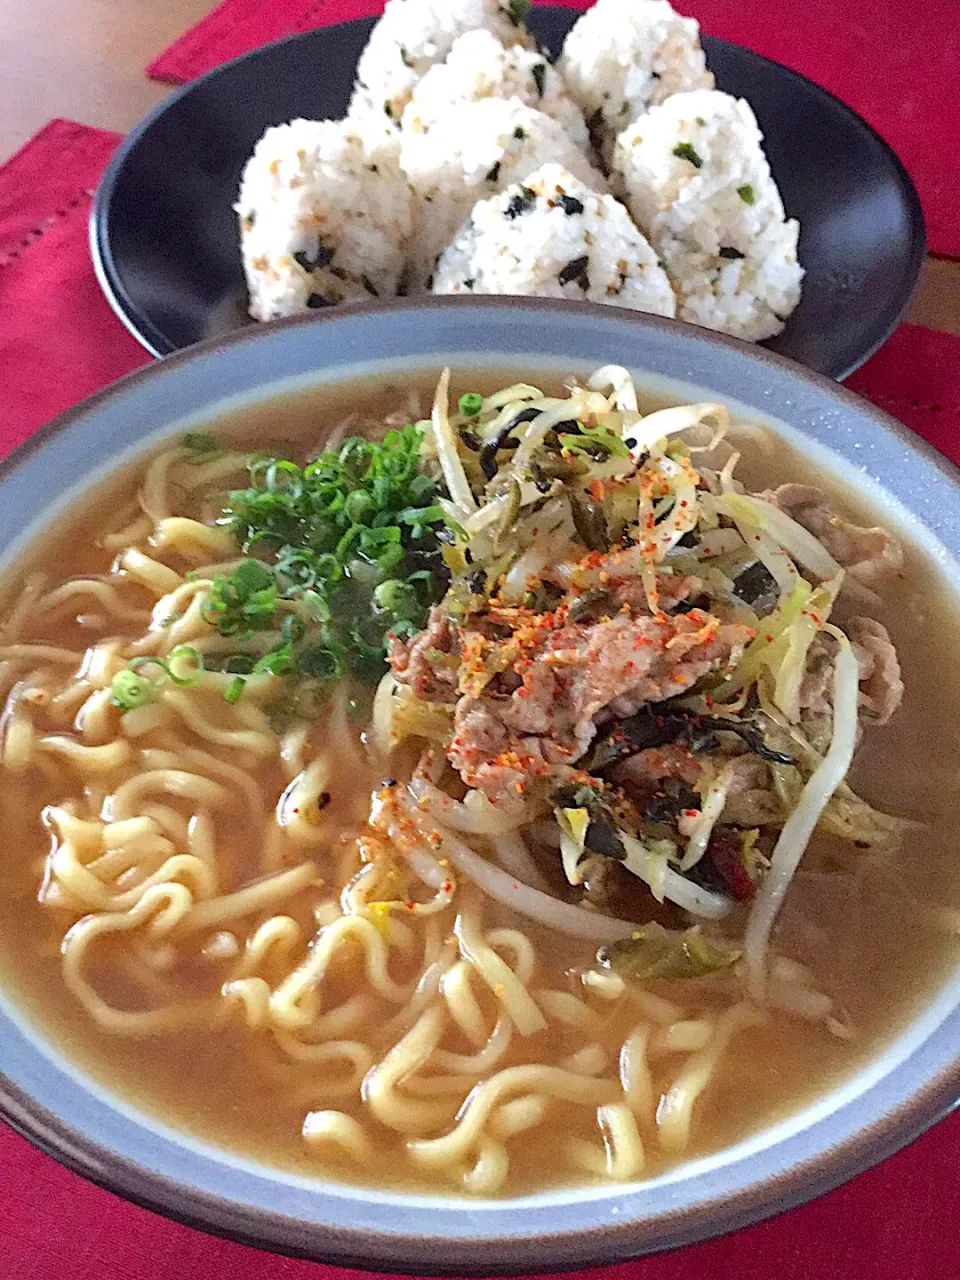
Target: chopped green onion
130	690
184	666
234	689
470	404
746	194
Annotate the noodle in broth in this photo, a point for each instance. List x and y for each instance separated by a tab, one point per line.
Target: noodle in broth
372	959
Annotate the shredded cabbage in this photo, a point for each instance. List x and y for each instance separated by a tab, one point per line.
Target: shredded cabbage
783	529
573	824
710	812
655	952
698	901
667	422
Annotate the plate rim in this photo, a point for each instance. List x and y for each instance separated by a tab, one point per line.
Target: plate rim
142	328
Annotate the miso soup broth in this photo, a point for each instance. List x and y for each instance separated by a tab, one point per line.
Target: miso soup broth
432	813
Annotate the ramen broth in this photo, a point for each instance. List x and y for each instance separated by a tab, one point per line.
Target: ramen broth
879	948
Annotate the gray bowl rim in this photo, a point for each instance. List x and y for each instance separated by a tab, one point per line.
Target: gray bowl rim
913	1109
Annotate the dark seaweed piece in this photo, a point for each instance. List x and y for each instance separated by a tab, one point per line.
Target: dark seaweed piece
602	837
670	801
658	724
590	524
687	606
570	205
368	285
521	203
731	254
494	174
596	450
471	440
321	257
525	415
705	874
690	538
478	582
468	284
317	300
754	583
540	478
519	133
488	456
539	73
576	269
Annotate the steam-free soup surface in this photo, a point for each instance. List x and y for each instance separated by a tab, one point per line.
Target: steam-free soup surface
239	1021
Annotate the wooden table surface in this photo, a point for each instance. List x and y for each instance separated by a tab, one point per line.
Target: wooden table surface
84	59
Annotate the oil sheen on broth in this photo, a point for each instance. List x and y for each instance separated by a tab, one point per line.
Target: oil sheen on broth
874	928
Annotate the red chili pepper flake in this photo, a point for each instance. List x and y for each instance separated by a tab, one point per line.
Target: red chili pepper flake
691	813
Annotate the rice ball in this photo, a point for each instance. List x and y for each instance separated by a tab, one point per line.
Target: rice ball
413	35
551	236
625	56
474	151
325	216
479	66
698	183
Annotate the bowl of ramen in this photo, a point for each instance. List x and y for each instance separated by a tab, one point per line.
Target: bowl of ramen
478	781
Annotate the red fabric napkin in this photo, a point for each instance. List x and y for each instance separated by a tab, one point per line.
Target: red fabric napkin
896	62
59	341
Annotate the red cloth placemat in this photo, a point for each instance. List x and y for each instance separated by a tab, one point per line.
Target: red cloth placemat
896	62
58	342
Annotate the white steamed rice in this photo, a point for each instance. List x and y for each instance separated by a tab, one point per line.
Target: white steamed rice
413	35
552	236
474	151
479	66
325	216
698	183
625	56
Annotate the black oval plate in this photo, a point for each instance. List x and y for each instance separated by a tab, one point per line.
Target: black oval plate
164	236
